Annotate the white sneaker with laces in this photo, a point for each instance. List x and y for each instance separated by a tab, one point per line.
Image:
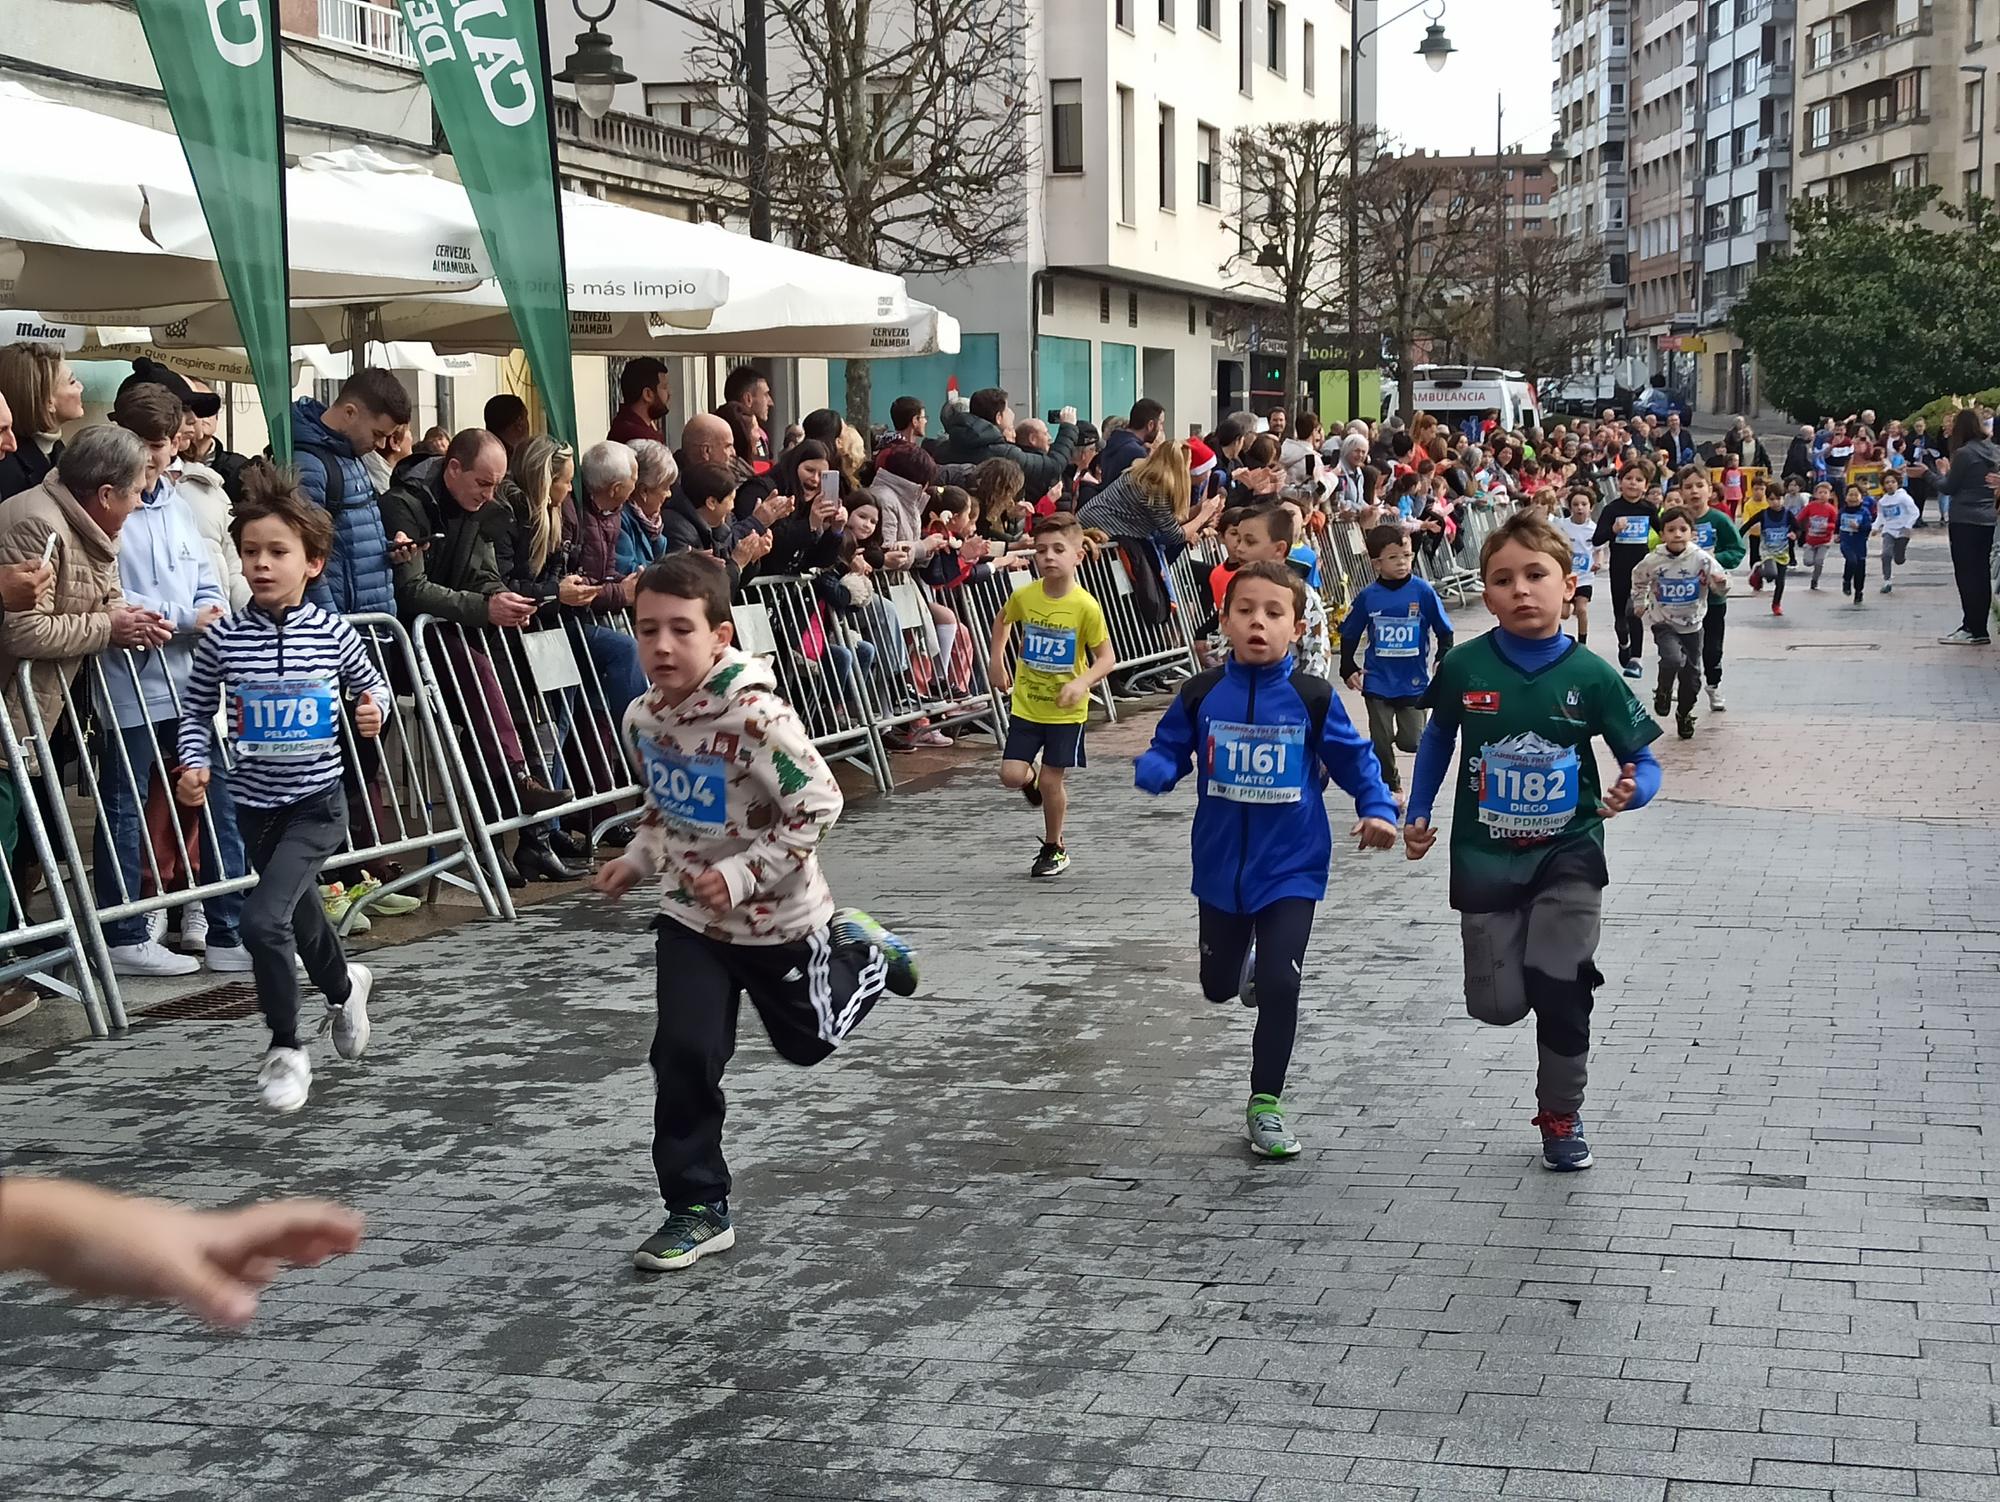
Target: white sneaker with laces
194	929
229	959
285	1079
349	1022
1715	697
156	925
151	958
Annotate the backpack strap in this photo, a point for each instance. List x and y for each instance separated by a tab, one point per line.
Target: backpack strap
336	481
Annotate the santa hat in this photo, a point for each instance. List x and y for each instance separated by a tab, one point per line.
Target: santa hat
1201	459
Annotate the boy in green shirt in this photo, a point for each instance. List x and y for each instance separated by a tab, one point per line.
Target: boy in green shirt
1060	622
1527	830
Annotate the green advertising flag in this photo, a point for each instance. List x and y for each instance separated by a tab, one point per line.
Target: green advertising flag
219	70
486	62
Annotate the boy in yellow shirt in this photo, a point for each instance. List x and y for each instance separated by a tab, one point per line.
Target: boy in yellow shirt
1060	622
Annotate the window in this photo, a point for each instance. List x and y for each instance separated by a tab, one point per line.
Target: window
1204	16
1618	96
1274	37
1971	187
1048	297
1972	110
1618	38
1168	158
1121	12
1819	126
1066	125
1717	17
1346	104
1167	14
1132	310
1532	199
1244	74
1820	47
1128	165
1190	318
1104	305
1308	62
1208	166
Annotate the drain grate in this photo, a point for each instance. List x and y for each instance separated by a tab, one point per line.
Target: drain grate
222	1003
1833	646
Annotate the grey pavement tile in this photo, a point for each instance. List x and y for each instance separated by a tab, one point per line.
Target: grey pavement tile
1007	1246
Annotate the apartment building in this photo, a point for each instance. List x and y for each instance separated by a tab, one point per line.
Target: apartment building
1665	153
1590	195
1891	93
1748	81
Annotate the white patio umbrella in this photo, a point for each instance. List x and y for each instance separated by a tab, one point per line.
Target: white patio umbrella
107	223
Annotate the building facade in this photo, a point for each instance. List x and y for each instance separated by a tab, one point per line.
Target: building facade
1664	111
1591	191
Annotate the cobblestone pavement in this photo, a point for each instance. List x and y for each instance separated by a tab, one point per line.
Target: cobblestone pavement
1011	1246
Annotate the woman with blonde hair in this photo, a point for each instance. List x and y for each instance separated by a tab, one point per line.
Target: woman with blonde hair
527	541
43	393
1153	500
851	451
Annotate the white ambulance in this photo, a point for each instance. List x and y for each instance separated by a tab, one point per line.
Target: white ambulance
1453	393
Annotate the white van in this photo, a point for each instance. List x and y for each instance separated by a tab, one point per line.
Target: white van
1453	393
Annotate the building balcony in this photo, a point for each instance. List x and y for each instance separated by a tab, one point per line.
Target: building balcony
1864	144
1900	38
375	31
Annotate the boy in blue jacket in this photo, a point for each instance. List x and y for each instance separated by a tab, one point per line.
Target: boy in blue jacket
1262	738
1400	614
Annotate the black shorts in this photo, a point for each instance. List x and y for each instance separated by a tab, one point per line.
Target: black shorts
1057	745
1583	591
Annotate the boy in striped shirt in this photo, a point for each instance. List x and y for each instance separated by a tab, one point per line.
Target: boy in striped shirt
283	665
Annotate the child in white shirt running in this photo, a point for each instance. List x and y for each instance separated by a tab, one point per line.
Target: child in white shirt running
1895	515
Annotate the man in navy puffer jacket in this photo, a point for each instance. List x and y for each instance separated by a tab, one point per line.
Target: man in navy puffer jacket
327	445
1262	738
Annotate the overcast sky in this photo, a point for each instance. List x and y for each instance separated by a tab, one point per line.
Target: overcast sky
1503	47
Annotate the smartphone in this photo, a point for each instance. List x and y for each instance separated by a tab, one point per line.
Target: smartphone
437	539
829	488
49	548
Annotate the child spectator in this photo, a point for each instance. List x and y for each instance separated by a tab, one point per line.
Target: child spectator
1732	483
1857	521
1399	614
1059	623
1527	833
737	803
1895	514
996	491
1819	523
1581	531
1261	736
1671	589
1266	535
283	666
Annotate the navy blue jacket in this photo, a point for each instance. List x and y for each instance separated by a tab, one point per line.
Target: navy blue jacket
357	576
1121	451
1248	855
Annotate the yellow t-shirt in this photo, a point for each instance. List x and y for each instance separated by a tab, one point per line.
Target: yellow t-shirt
1057	636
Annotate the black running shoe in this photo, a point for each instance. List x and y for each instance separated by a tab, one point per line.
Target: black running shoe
1053	861
686	1237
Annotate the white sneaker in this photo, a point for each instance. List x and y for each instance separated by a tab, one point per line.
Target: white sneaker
194	928
156	925
349	1022
286	1078
151	958
1715	697
229	959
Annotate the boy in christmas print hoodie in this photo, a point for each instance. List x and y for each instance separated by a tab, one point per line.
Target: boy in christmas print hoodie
737	802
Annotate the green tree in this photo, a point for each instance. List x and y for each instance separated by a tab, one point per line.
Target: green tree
1877	306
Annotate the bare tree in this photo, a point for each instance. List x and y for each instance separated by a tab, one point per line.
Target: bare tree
898	130
1541	324
1290	194
1427	229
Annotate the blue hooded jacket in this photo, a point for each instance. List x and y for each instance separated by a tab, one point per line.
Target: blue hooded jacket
1261	831
357	576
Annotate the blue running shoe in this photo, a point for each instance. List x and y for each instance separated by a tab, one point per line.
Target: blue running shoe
852	927
1563	1147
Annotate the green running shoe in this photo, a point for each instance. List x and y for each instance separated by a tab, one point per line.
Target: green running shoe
851	926
1269	1137
686	1237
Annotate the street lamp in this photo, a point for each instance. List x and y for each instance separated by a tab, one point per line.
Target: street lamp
1558	152
1979	173
593	69
1434	49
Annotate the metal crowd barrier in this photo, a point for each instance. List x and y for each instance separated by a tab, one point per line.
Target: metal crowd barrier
402	801
830	672
41	949
1152	655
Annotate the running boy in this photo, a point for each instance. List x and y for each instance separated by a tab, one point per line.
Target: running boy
1527	831
283	666
1262	736
1715	533
1777	528
1399	614
1627	524
1857	521
1895	515
1672	588
737	802
1060	622
1819	523
1581	530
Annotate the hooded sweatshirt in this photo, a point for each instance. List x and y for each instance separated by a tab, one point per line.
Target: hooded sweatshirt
202	488
1674	588
734	785
1261	831
164	565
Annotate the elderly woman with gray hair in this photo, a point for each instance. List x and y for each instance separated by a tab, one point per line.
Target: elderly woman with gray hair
641	530
606	480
